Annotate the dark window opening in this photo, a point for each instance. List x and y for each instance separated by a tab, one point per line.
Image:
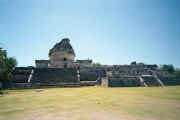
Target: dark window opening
64	59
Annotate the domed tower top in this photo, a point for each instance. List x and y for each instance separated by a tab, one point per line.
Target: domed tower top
61	52
62	47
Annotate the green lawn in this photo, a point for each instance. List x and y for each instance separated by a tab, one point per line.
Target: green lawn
92	103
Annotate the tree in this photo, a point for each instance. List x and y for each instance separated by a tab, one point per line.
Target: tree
133	63
96	64
177	72
7	65
169	68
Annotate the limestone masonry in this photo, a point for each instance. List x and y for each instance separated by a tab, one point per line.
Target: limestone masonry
61	70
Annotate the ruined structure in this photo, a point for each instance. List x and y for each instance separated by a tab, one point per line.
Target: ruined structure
60	56
61	70
138	75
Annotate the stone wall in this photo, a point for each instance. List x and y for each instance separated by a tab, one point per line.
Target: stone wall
42	63
84	63
90	74
21	86
21	74
169	80
89	83
55	77
124	81
117	76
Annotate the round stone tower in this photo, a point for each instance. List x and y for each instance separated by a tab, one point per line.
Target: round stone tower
62	55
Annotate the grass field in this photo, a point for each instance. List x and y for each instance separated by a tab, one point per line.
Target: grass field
92	103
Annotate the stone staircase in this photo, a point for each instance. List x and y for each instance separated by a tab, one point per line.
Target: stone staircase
55	77
142	82
151	81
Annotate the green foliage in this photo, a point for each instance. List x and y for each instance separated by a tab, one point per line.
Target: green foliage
177	72
133	63
6	66
96	64
169	68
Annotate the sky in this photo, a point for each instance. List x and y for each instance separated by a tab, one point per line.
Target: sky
106	31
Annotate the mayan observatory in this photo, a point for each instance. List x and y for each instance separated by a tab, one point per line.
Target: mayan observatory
90	60
61	70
